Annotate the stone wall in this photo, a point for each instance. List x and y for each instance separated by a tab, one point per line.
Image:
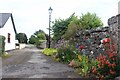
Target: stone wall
89	39
114	24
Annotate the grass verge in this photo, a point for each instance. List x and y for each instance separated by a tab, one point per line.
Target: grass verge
5	55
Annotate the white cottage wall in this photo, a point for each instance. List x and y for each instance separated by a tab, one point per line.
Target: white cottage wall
8	28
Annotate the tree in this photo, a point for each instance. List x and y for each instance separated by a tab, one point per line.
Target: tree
37	37
89	21
41	36
39	31
70	26
60	26
32	39
73	27
21	37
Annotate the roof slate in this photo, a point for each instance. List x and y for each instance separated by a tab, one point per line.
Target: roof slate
3	18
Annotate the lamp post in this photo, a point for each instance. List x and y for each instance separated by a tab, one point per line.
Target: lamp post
50	11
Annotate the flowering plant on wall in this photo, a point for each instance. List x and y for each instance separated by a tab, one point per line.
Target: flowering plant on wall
108	66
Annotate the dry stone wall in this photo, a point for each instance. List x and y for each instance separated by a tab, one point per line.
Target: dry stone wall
114	24
90	40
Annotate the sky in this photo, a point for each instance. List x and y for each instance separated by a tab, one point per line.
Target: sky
32	15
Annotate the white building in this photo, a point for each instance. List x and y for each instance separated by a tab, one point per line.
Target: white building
8	30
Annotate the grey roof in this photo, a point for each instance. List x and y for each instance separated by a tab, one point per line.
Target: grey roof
3	19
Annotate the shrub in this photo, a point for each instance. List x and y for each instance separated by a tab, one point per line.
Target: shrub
84	65
66	54
108	66
49	51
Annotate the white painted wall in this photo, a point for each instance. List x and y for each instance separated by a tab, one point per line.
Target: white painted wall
8	28
22	46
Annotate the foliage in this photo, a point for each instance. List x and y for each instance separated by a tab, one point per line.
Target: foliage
39	31
84	65
66	54
60	26
21	37
37	38
49	51
89	21
41	36
108	66
32	39
73	27
2	44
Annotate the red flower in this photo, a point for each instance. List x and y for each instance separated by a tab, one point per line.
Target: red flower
107	62
111	55
94	70
113	59
108	39
113	65
112	72
99	66
103	41
102	61
100	56
81	47
104	57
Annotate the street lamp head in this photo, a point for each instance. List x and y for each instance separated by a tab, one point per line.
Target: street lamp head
50	10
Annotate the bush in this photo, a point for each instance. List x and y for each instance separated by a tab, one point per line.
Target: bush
49	51
2	44
109	64
66	54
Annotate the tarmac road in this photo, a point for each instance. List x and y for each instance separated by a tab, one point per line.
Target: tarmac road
31	63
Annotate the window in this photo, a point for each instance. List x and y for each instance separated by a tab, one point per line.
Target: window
8	37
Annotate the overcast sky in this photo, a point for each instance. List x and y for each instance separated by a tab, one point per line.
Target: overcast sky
32	15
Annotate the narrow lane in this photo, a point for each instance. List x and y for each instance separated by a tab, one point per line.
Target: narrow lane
31	63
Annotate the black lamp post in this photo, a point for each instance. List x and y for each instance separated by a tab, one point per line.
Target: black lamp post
50	11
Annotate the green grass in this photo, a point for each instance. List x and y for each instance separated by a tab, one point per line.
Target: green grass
5	55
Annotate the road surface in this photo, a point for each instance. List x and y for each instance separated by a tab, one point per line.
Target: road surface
31	63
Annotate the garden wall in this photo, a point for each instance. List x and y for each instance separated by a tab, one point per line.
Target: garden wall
90	40
114	24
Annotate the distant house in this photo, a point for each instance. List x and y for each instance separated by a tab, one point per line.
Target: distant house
8	30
